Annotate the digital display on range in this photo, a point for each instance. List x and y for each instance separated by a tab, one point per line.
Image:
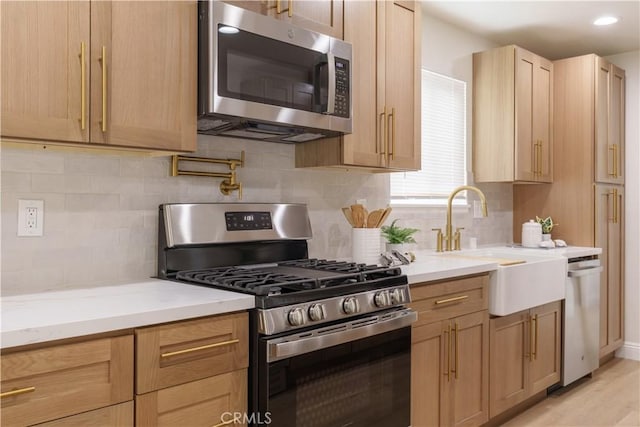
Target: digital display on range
248	221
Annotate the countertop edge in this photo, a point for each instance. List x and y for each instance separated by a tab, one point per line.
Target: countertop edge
451	273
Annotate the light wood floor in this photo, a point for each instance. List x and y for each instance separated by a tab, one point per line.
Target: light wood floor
610	398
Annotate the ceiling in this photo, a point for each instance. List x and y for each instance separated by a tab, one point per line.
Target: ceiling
553	29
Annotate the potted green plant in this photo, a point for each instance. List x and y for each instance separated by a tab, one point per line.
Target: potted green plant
397	237
547	225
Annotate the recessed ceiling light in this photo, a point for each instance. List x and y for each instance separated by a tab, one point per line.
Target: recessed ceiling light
605	20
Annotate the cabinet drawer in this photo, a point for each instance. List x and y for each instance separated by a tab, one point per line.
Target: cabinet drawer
63	380
208	402
120	415
177	353
443	300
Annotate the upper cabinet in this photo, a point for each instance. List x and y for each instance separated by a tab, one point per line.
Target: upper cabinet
385	90
609	121
323	16
45	51
512	116
112	73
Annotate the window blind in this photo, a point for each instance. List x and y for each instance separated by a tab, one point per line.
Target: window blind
443	142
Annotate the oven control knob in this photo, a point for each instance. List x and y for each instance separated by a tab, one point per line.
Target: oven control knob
350	306
316	312
296	317
382	299
397	296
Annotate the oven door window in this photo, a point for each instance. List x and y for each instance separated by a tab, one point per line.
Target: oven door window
260	69
364	383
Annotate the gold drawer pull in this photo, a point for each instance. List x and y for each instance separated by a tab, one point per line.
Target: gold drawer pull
17	392
444	301
225	423
202	347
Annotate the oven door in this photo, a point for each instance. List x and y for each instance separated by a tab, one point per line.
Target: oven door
354	374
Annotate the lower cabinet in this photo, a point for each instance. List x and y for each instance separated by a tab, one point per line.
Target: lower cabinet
120	415
213	401
45	384
525	355
193	373
450	353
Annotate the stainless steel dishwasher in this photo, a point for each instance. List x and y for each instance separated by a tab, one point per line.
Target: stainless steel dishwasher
581	332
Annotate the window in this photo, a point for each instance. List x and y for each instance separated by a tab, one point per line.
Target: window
444	131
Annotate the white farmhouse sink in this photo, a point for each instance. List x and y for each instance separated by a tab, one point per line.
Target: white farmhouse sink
522	280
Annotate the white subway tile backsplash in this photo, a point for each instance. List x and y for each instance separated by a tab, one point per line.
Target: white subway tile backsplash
101	211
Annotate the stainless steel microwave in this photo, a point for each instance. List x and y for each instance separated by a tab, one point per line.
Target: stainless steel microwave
263	78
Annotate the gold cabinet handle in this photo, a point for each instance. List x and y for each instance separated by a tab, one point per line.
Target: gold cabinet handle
534	160
83	88
17	392
455	329
448	300
448	371
532	337
290	8
202	347
383	132
535	352
615	160
540	158
392	118
615	206
225	423
103	60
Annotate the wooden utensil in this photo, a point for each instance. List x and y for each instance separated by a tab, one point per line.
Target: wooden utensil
348	215
357	212
374	218
385	215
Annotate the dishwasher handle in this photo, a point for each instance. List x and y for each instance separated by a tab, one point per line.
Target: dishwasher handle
584	271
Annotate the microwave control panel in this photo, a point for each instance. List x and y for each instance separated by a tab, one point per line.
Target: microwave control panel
342	107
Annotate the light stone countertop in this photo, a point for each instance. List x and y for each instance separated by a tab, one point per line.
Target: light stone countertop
431	266
48	316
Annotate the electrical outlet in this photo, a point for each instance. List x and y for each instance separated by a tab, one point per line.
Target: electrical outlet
30	218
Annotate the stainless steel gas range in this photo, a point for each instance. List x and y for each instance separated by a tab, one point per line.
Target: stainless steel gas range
330	341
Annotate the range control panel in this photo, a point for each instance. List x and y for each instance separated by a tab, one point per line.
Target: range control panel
248	221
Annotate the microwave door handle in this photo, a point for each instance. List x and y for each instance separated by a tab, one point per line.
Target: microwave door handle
331	90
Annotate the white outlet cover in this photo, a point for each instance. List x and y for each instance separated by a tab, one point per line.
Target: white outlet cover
29	228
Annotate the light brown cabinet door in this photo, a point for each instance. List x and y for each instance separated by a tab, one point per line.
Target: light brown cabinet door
208	402
120	415
42	70
66	379
544	369
364	147
143	92
322	16
533	109
470	383
609	236
609	122
402	85
430	378
509	359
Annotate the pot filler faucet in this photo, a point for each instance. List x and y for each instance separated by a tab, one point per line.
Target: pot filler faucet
450	236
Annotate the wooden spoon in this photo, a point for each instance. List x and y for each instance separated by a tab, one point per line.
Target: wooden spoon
384	217
348	215
357	212
374	218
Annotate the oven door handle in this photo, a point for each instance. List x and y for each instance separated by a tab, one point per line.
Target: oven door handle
284	348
